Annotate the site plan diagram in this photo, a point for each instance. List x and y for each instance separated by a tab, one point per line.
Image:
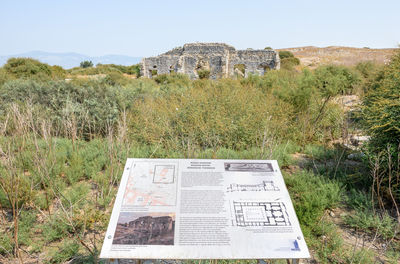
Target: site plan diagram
203	209
265	186
261	214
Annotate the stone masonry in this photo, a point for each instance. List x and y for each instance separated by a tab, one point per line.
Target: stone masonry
221	60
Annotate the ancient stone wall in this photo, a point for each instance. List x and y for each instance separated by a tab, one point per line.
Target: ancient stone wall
221	60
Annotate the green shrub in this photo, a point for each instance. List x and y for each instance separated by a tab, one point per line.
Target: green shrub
333	80
208	115
161	79
115	78
58	72
93	106
67	250
204	74
368	69
284	54
288	60
381	106
56	228
28	68
289	63
4	76
312	195
6	245
76	195
27	221
384	225
380	114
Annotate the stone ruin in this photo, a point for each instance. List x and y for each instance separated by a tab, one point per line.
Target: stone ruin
219	59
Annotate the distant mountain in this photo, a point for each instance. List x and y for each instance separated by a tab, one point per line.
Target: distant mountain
70	59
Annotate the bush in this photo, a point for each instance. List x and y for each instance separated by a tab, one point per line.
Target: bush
67	250
334	80
368	69
288	60
312	194
4	76
381	107
289	63
56	228
208	115
27	68
92	106
115	78
106	69
380	113
284	54
203	74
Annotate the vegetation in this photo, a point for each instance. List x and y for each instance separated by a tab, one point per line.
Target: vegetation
288	60
63	144
106	69
204	74
86	64
380	113
27	68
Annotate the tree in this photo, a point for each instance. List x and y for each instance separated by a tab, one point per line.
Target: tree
86	64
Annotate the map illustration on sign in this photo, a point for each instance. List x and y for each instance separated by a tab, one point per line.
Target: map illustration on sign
164	174
151	185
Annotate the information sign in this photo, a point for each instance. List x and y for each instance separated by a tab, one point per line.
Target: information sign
203	209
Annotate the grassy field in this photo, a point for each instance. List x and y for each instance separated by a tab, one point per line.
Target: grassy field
63	144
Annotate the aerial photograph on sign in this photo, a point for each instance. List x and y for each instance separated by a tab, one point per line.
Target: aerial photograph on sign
246	166
145	229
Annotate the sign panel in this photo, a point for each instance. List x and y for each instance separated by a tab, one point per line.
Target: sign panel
203	209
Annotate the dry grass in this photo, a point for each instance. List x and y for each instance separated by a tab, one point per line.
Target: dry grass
311	56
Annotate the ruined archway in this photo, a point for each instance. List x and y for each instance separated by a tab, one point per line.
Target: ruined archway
153	71
239	70
202	69
263	68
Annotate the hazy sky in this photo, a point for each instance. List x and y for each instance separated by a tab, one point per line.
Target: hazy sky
144	28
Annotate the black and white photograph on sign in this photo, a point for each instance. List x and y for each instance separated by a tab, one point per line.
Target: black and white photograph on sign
249	166
145	229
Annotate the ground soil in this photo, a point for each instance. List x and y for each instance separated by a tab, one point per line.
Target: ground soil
312	57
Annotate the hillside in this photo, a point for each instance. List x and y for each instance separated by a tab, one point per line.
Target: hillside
69	60
314	56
